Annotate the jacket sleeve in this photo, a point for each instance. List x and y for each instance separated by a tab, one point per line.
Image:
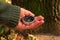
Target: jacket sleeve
9	14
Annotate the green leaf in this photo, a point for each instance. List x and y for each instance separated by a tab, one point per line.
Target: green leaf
2	30
10	38
30	38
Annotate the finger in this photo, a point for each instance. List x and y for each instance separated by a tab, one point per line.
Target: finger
22	12
36	24
28	13
39	18
40	23
22	15
31	14
33	25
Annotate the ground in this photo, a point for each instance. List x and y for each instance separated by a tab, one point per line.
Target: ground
48	37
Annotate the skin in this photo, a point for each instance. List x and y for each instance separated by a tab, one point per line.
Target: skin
39	20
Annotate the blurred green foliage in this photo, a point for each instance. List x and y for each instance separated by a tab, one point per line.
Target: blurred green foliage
36	6
2	0
2	30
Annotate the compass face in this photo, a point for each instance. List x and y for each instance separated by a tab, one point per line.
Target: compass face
28	18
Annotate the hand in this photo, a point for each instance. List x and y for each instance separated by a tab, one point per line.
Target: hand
39	20
25	12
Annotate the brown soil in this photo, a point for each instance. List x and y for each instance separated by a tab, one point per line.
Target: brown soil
47	37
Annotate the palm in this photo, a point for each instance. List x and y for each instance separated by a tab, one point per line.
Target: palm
37	22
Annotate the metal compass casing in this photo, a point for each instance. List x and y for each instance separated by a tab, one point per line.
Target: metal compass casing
28	19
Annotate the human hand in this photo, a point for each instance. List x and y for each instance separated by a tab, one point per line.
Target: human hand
25	12
39	20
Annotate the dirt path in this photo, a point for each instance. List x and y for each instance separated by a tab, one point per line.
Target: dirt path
47	37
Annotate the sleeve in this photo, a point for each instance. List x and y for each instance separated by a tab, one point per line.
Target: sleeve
9	14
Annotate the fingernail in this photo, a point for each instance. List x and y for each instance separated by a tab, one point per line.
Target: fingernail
41	17
42	21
